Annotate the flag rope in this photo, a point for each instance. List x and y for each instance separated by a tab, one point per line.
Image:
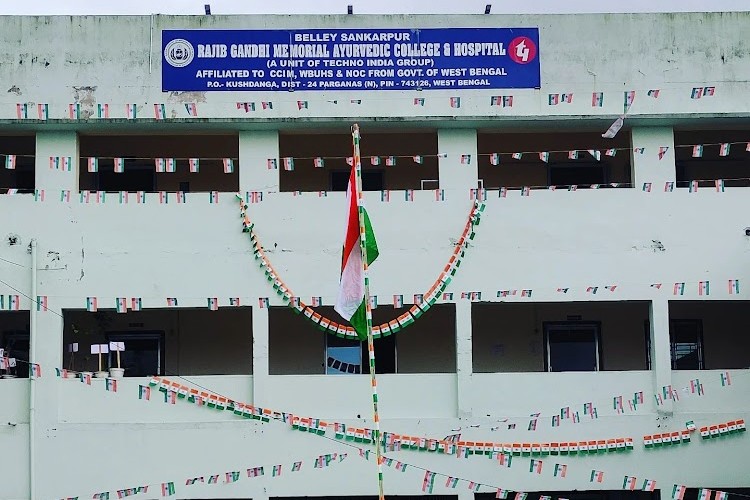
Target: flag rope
368	308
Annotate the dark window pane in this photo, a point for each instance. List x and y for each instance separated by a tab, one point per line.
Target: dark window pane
372	180
571	348
579	175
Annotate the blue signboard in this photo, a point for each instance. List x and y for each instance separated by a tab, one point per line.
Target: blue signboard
340	59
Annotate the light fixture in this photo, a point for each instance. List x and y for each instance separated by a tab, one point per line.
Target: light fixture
488	8
207	8
350	9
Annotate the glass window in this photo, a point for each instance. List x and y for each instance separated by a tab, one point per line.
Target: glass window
572	347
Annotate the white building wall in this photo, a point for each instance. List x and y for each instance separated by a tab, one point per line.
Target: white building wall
87	440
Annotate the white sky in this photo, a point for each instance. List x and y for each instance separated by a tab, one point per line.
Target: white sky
41	7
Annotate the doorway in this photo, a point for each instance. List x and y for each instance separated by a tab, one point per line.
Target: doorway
572	346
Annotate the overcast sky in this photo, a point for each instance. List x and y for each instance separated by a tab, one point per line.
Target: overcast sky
40	7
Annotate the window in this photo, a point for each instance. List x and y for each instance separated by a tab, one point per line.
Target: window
686	344
140	178
16	345
372	180
582	175
143	355
572	347
344	356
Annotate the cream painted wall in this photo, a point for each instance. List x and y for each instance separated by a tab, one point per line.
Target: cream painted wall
510	337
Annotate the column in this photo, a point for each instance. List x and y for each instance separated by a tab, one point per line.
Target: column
256	147
456	176
661	358
464	367
260	355
647	167
61	144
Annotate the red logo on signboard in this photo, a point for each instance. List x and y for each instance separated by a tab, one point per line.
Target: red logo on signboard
522	50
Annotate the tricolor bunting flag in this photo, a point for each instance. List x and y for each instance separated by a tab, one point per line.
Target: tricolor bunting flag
668	186
596	154
521	496
709	91
266	104
696	93
160	112
610	152
649	485
611	132
121	305
102	111
516	156
35	370
171	165
214	479
194	165
272	164
495	159
22	111
41	303
119	165
418	159
350	302
42	111
247	106
553	99
144	392
74	111
721	495
232	477
193	480
451	482
653	93
629	483
111	384
296	466
597	99
560	470
698	151
228	165
131	111
135	303
466	159
572	155
535	466
455	102
703	288
91	303
724	149
663	151
726	380
93	164
474	486
167	489
213	303
629	97
678	492
428	482
191	108
704	494
418	101
10	162
597	476
318	162
501	493
719	184
679	289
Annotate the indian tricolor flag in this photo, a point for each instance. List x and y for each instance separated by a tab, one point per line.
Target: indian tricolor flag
721	495
451	482
167	489
598	476
159	112
629	483
350	302
649	485
122	305
704	494
678	492
724	149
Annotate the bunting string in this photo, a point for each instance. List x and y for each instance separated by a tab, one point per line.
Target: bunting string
424	302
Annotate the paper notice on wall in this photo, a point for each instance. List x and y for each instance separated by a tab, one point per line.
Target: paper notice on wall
100	349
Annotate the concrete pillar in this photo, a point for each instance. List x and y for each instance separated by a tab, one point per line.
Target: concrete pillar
464	366
455	176
62	144
260	355
256	147
647	167
661	358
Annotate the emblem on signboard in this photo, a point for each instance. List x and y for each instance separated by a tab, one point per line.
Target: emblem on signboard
179	53
522	50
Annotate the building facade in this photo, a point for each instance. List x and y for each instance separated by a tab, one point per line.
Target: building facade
587	296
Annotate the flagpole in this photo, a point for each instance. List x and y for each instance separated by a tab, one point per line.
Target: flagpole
368	310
